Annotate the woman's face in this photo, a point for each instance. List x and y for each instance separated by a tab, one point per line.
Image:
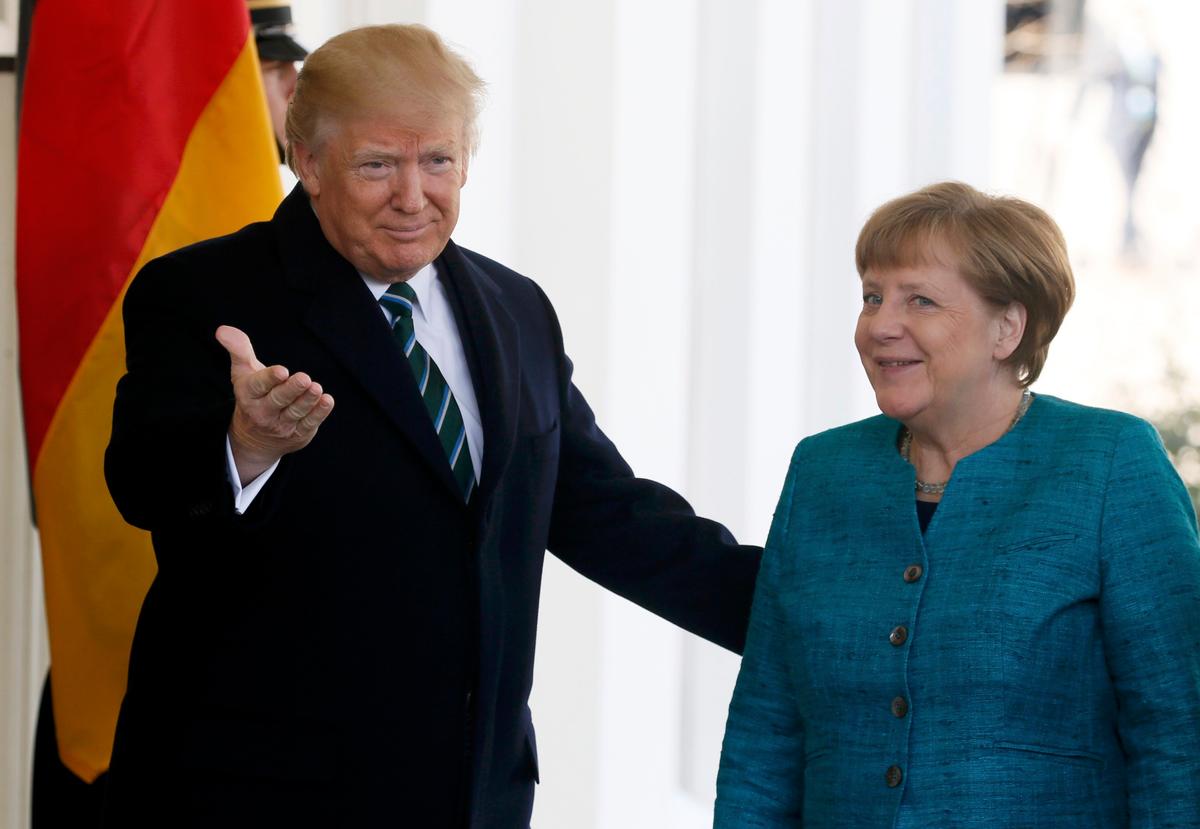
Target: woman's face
929	343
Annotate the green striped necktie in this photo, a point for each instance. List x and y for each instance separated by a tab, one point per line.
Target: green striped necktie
435	391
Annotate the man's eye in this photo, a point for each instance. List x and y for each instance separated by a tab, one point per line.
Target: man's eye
923	301
872	299
374	170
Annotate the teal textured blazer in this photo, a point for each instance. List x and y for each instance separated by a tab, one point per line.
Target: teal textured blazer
1033	660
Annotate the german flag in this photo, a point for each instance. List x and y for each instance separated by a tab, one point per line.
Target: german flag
143	128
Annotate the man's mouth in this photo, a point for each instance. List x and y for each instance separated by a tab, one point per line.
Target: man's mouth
405	232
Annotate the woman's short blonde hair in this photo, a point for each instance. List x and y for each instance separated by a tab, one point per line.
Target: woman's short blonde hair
1007	249
374	69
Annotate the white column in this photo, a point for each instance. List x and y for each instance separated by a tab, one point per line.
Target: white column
23	645
559	211
784	135
957	56
725	403
651	288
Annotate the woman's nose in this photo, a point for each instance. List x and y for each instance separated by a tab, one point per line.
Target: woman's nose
886	323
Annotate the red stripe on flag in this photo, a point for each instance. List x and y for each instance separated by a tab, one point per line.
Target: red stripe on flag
112	92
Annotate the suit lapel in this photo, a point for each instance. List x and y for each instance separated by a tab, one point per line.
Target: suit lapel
493	348
344	316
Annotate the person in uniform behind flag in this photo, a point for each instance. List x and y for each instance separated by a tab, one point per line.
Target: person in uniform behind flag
278	54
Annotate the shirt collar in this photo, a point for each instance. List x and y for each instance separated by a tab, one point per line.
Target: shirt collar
422	283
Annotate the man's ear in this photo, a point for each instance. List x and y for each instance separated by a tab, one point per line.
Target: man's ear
1011	329
307	169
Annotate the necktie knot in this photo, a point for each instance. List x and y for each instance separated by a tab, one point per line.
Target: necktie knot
399	299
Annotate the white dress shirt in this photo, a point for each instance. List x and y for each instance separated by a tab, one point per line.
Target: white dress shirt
437	332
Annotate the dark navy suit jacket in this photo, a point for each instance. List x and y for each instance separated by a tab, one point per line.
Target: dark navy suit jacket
357	649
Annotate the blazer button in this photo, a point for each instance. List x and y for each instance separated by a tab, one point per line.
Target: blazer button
893	776
913	573
899	707
899	635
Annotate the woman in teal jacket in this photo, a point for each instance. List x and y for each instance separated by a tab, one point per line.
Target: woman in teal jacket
982	607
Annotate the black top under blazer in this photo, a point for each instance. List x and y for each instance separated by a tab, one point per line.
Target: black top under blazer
357	648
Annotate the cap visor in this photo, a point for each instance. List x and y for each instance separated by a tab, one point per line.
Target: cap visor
280	47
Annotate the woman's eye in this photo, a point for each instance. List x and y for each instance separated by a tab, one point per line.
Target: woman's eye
923	301
872	299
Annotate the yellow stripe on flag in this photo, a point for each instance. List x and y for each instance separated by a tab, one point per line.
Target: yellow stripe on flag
97	567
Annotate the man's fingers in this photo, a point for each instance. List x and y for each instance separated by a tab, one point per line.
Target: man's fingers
303	404
274	408
262	382
241	352
284	394
309	423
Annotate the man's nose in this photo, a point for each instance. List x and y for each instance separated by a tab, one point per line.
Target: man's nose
408	192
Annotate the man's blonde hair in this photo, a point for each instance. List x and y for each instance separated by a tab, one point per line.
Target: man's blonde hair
370	70
1007	249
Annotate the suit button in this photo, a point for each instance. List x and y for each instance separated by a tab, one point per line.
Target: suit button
893	776
199	510
898	636
899	707
913	573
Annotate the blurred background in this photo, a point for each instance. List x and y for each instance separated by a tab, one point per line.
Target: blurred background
686	178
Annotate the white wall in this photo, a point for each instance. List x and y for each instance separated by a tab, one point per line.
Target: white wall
685	178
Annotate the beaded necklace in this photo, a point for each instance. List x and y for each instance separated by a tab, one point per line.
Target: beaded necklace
939	488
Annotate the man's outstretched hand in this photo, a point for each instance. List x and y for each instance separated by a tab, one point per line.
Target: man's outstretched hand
275	413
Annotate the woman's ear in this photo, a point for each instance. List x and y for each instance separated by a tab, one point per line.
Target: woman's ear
1011	328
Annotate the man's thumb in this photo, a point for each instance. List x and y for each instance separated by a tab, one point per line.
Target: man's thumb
241	353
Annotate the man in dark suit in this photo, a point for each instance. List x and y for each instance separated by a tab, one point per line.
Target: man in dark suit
341	632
